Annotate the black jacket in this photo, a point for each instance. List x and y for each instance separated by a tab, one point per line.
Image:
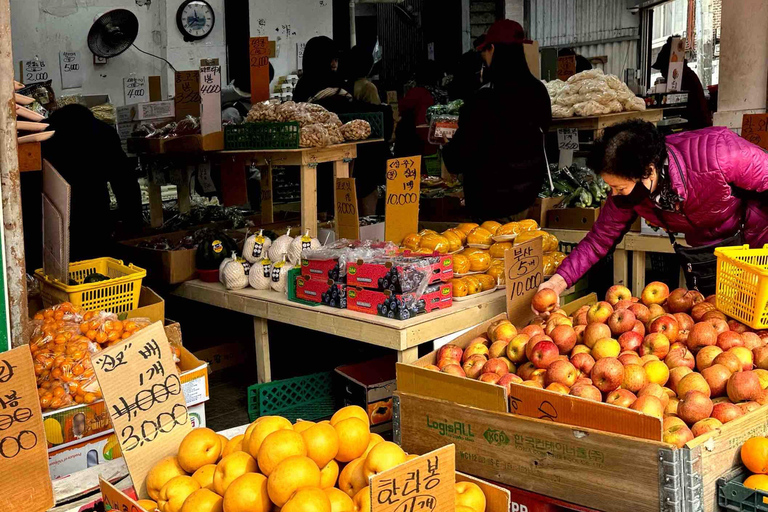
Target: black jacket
499	148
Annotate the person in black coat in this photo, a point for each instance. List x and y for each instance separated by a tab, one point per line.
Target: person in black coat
499	146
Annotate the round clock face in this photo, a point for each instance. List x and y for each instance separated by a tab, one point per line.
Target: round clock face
196	19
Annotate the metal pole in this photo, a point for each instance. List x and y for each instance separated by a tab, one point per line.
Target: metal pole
352	25
10	181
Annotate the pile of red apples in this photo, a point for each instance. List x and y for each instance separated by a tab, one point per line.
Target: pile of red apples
669	355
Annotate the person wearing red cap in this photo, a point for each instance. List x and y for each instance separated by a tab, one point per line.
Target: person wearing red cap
499	146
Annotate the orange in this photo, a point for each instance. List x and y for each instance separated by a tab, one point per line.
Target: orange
234	445
301	425
340	501
329	474
160	474
248	493
754	454
757	482
351	411
260	429
322	444
291	475
231	468
203	500
200	447
310	499
353	438
204	476
277	447
175	492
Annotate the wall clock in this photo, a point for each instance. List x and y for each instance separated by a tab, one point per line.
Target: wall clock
195	19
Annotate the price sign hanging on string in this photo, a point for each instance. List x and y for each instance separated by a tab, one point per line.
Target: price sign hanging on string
347	220
402	198
524	267
142	390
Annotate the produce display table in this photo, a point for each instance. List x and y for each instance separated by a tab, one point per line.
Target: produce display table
635	243
598	123
404	336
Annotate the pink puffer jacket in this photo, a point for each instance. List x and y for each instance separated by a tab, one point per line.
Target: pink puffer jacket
705	166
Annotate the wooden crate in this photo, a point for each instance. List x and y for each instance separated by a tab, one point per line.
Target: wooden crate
572	218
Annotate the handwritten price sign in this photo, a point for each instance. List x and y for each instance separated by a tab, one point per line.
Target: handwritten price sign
347	220
524	269
136	90
26	484
424	484
210	98
568	138
754	128
259	55
187	95
403	190
115	500
144	398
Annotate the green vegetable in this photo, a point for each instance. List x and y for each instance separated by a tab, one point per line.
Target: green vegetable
596	191
95	277
585	197
563	187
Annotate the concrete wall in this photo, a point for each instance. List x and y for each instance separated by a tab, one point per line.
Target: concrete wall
743	85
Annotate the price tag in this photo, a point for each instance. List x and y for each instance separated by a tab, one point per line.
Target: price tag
210	99
259	54
566	67
156	110
754	128
26	484
347	219
300	55
116	500
424	484
34	71
204	177
135	89
524	266
403	190
72	72
568	138
187	95
142	390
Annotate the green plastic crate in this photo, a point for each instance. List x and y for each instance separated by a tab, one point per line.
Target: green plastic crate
432	165
732	495
308	398
293	274
262	136
375	119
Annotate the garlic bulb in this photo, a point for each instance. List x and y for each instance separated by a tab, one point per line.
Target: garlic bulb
256	247
280	246
299	244
235	273
280	276
260	276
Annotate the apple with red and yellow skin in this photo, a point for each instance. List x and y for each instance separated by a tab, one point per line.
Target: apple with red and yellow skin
544	353
694	406
442	363
432	367
511	368
629	357
714	315
501	330
744	387
680	300
697	297
607	374
706	425
595	332
671	408
763	399
620	397
475	349
641	312
473	367
751	340
558	388
532	343
744	355
526	370
497	349
617	293
729	339
737	326
583	362
653	389
516	348
749	407
763	376
656	344
725	412
532	330
656	310
587	391
579	330
706	356
730	361
630	340
647	358
671	421
699	310
676	375
649	405
654	293
454	369
580	349
720	325
580	319
497	366
716	377
666	325
606	347
621	321
684	321
450	351
562	372
702	335
635	378
679	355
599	312
491	378
507	380
564	336
639	328
533	384
622	304
555	322
538	376
545	301
693	382
677	435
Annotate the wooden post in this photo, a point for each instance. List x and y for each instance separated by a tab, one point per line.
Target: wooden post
155	204
267	201
309	199
14	294
261	335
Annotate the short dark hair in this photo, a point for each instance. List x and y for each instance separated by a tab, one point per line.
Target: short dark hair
628	149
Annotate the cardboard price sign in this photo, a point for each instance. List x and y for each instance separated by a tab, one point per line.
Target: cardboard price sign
754	128
136	89
347	220
26	484
187	95
403	191
568	138
524	267
210	99
566	67
424	484
116	500
144	398
259	55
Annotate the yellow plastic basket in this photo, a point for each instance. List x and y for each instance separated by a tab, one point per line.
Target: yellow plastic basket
119	294
742	284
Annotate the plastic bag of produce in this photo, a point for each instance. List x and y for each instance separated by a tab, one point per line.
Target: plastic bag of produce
615	106
604	96
356	129
590	108
260	275
568	100
586	75
314	136
256	246
635	104
593	86
263	112
334	133
614	82
560	111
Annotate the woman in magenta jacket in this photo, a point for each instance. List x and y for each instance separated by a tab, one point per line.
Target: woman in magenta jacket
706	184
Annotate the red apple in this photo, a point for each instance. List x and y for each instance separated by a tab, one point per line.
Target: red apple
544	353
497	366
617	293
725	412
454	369
653	389
556	321
622	304
475	348
679	355
655	344
676	375
630	340
751	340
719	324
702	335
712	299
706	425
545	300
641	311
596	332
706	356
700	309
639	328
730	360
714	315
599	312
580	349
728	339
621	321
666	325
680	300
526	370
621	397
587	391
607	374
654	293
749	407
744	355
677	435
532	330
744	386
532	343
693	382
717	377
564	336
450	351
507	380
501	330
442	363
629	357
737	326
694	406
684	321
649	405
579	330
432	367
635	378
760	356
473	366
580	318
583	362
491	378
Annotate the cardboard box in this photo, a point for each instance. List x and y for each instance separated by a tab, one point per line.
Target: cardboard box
572	218
321	269
399	274
322	291
369	385
151	306
399	306
541	206
222	356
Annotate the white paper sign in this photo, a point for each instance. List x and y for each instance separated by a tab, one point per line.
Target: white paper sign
34	71
210	99
300	54
204	176
156	110
72	72
136	89
568	138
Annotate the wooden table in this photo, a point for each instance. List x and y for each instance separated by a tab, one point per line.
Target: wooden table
635	243
404	336
598	123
